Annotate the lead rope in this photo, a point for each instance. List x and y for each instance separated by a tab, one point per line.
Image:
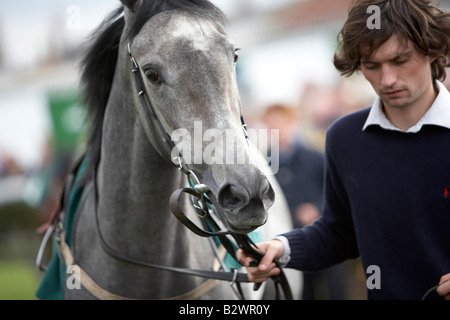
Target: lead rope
429	291
197	191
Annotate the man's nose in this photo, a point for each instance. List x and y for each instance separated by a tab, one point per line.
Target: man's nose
388	76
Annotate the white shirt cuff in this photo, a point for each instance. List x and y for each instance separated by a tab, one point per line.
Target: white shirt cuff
286	257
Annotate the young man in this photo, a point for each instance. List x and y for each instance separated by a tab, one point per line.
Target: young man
387	176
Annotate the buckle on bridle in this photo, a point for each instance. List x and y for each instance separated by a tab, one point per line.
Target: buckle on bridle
235	273
197	186
134	65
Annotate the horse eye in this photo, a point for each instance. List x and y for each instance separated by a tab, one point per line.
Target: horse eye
236	55
152	75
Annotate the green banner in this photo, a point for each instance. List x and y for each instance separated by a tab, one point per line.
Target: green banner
67	119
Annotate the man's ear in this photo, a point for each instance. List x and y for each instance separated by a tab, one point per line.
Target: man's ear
133	5
431	59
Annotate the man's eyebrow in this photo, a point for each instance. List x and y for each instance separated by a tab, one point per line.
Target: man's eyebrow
406	54
401	55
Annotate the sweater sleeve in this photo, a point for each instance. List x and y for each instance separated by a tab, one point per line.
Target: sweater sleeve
331	239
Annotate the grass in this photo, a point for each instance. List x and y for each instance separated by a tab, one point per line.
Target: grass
18	280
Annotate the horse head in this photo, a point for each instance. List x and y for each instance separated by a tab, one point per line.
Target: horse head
186	62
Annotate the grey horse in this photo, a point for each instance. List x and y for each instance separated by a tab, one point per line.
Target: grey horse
187	63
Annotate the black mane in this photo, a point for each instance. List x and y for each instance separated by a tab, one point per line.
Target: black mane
99	61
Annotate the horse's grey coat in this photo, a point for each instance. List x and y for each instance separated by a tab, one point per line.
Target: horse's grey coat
194	57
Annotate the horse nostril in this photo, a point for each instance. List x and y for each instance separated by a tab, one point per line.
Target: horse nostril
266	194
264	188
232	197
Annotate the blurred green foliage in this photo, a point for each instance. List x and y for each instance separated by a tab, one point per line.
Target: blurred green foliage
18	280
19	242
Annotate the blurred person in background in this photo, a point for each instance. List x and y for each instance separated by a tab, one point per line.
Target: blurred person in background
300	174
300	171
8	165
321	105
387	182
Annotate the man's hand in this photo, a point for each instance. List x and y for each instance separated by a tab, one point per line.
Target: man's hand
272	250
444	287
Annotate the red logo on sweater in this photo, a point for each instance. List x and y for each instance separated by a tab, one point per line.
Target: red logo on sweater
446	192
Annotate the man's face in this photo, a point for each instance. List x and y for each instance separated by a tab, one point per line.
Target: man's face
400	75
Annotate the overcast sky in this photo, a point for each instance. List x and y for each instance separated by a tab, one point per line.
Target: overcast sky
25	25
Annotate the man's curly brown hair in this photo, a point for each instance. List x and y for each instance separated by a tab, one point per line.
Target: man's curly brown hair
418	21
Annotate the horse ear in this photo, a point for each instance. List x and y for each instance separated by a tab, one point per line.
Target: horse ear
131	4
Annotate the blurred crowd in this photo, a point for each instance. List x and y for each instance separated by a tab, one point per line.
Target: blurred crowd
8	165
38	188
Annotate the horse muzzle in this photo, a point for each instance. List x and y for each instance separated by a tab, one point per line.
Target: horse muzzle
244	210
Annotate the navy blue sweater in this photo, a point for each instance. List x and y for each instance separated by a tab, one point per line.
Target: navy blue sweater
387	200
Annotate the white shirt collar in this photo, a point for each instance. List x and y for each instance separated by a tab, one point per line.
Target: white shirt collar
438	114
